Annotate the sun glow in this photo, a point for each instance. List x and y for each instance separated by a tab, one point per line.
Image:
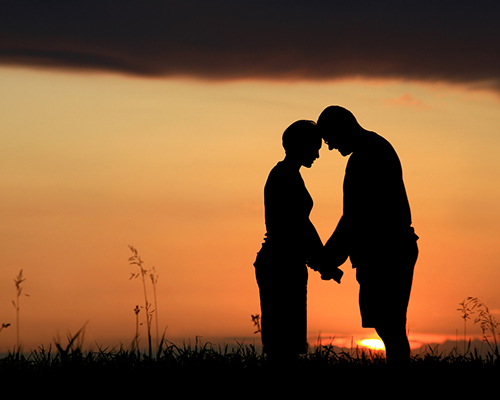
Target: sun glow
374	344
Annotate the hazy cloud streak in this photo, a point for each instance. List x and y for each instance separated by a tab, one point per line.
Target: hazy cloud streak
449	41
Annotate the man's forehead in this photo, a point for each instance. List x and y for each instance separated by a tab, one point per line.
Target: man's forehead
329	133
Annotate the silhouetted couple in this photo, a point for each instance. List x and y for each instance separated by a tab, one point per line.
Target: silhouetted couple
374	232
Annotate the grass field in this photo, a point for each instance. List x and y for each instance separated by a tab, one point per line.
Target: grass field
243	371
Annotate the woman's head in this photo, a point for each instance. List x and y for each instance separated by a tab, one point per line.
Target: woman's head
302	141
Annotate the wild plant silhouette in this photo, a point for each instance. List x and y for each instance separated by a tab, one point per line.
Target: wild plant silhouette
18	280
136	259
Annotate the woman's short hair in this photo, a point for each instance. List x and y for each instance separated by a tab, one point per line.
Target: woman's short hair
300	133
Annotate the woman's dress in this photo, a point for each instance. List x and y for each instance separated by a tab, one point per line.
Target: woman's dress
291	242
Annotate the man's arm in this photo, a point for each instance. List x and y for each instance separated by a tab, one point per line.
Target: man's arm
336	248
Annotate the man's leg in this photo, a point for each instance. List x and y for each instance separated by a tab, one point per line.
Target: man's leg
397	347
392	329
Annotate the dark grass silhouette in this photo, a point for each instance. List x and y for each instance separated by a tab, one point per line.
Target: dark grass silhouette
205	367
202	368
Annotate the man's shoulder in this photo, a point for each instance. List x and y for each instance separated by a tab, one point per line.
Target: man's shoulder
377	141
376	154
376	146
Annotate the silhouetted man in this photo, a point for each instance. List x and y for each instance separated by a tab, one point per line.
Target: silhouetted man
375	229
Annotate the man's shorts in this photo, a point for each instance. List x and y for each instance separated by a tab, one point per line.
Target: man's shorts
384	288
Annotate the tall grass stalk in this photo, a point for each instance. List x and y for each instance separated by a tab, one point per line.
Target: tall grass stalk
154	280
17	303
136	260
466	308
135	343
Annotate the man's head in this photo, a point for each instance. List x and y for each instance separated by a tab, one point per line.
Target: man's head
339	128
302	141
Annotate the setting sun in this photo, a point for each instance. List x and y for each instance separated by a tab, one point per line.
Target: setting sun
374	344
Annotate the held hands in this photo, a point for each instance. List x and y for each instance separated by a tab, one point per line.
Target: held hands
329	268
327	262
329	273
326	269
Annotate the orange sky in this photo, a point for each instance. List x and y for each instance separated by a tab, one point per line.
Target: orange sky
92	163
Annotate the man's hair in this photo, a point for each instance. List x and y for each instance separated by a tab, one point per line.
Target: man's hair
337	115
299	133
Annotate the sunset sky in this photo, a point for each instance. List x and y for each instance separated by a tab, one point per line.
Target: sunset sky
155	124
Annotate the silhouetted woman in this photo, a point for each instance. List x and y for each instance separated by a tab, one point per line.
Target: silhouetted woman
291	242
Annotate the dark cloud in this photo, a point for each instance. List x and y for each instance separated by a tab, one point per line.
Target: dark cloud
454	41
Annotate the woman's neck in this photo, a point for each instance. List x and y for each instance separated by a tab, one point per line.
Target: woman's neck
292	162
